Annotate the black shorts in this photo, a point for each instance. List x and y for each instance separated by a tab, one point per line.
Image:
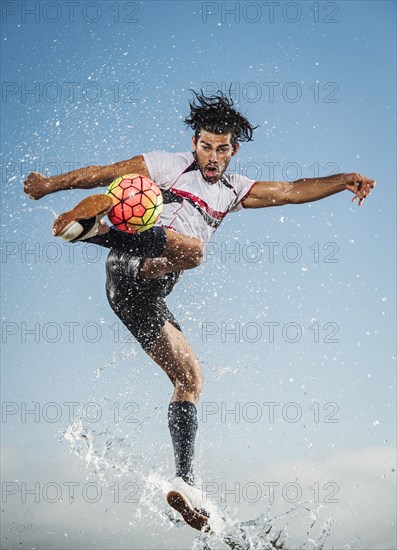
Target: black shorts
139	303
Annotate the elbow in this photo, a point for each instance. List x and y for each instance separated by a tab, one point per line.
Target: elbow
292	194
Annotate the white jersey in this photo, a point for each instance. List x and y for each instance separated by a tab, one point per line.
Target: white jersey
192	205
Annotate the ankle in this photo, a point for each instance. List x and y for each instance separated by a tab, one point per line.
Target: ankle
103	228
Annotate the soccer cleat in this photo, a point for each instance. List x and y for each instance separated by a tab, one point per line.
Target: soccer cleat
187	500
82	222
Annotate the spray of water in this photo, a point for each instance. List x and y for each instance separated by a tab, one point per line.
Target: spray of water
105	454
108	452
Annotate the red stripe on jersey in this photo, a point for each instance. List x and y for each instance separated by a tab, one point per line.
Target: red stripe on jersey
186	195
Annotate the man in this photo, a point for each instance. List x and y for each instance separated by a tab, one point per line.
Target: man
143	269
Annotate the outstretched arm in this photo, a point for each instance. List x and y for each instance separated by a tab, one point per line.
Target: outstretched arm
181	252
37	185
278	193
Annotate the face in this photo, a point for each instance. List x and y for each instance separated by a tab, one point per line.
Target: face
213	153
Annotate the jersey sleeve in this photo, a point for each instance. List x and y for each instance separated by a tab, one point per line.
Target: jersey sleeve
161	167
242	186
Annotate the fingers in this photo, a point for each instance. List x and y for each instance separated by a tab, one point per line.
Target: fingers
32	186
27	186
362	188
30	193
27	191
360	197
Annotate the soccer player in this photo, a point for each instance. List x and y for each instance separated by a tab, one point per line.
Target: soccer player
142	269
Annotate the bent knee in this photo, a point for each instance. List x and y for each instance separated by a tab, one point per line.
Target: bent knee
192	249
197	252
192	383
199	383
196	383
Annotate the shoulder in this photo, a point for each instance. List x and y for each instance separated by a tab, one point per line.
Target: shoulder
237	181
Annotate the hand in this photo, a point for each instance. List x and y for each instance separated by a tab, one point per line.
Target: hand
360	186
36	185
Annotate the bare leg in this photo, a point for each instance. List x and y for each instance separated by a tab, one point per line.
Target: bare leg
174	355
153	268
172	352
181	252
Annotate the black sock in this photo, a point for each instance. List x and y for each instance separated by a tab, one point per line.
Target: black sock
182	422
148	244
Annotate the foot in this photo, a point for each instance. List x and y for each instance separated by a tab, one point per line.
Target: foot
83	221
188	501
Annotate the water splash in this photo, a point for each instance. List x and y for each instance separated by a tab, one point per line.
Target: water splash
131	353
105	455
218	371
270	533
100	450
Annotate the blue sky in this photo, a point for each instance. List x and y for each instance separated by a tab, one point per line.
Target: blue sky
110	80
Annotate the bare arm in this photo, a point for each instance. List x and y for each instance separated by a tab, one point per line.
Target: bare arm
278	193
181	252
37	185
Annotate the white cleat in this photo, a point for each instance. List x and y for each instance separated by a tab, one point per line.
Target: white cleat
82	222
188	501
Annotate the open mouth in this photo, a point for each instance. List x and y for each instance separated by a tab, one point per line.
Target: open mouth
211	171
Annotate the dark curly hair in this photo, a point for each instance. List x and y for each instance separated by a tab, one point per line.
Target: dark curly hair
216	114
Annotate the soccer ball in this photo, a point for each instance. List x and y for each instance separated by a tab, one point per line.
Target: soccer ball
137	203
